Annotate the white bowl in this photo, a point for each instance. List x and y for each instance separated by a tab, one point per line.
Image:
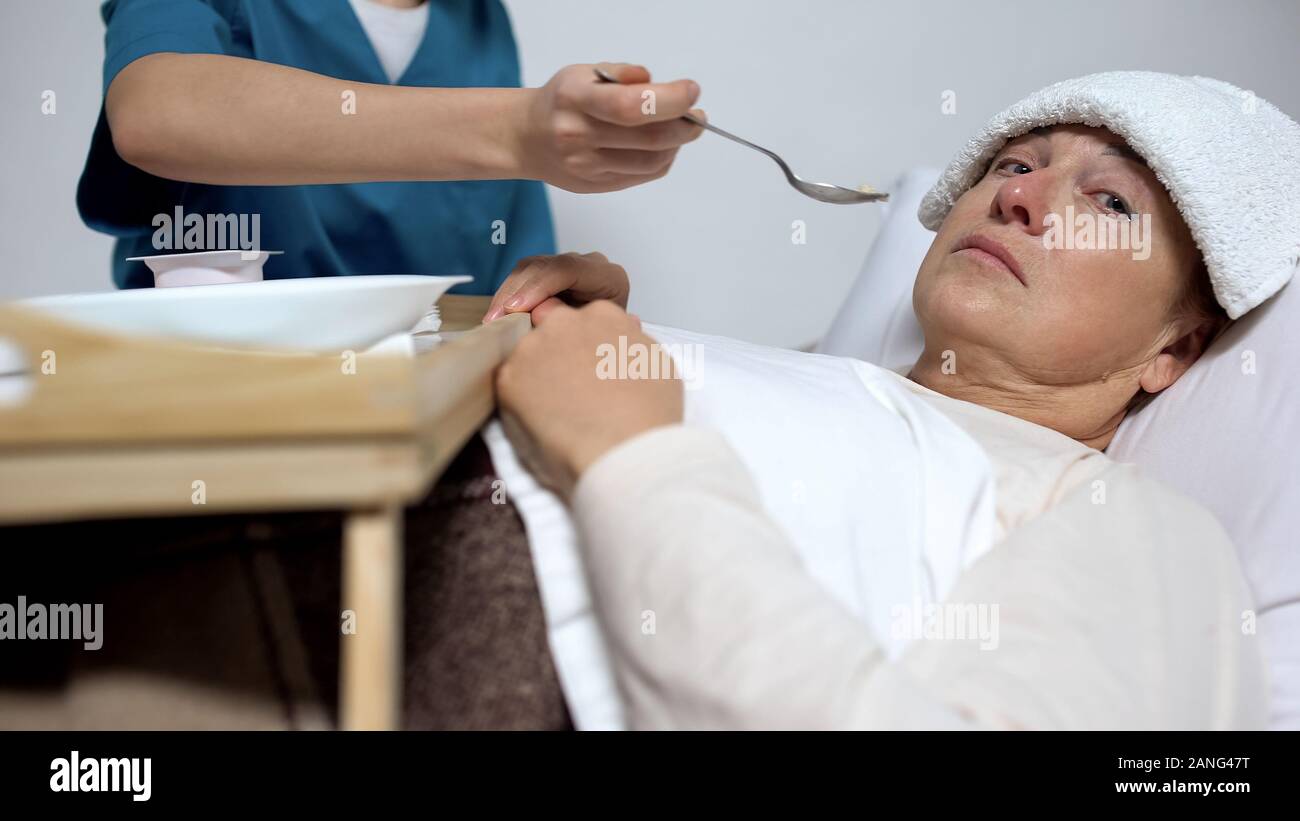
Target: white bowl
205	267
325	314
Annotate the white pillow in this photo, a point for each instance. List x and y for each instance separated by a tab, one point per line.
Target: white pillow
1227	434
1224	436
876	322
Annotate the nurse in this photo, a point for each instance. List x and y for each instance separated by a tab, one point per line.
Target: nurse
364	136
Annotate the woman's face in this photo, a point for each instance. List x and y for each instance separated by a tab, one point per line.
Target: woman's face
1055	304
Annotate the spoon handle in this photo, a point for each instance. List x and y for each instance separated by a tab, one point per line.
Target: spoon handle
820	191
691	118
606	77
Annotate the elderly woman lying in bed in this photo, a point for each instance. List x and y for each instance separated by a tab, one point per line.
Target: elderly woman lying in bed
1122	610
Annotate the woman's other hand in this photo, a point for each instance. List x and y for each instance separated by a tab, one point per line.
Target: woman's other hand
586	136
564	403
538	284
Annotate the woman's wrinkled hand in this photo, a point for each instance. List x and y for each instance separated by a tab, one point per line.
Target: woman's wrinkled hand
586	136
564	406
538	284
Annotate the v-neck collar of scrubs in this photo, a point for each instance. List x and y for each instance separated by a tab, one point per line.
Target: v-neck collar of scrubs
376	65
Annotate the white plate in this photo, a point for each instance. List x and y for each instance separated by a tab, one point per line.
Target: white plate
323	314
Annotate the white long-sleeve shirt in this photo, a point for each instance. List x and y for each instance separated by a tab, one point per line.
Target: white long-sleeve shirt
1119	604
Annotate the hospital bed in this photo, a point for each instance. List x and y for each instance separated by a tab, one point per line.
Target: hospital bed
1225	435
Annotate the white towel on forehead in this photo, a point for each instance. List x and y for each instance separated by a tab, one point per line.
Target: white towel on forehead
1229	160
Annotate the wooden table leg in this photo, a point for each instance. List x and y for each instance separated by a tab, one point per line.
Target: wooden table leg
370	683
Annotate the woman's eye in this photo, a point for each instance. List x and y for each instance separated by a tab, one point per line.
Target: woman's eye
1017	166
1111	202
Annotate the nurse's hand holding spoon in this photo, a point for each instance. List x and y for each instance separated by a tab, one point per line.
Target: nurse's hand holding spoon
587	136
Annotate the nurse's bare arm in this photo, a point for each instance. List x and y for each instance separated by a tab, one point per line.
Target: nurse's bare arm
224	120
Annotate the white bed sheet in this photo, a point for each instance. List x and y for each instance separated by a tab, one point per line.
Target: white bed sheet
885	499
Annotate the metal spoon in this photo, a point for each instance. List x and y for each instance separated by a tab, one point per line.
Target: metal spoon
820	191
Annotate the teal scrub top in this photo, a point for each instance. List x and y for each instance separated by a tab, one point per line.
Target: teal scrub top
323	230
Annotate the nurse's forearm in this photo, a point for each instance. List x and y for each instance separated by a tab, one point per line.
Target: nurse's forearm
230	121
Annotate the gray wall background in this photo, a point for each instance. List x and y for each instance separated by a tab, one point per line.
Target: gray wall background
848	92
